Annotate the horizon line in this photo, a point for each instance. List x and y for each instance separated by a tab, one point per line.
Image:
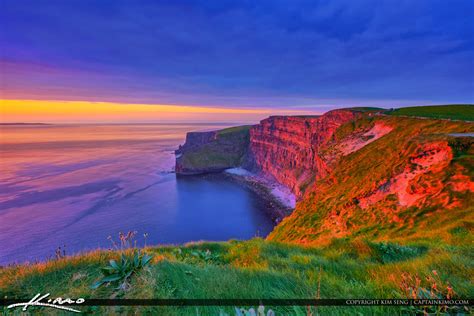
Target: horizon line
22	112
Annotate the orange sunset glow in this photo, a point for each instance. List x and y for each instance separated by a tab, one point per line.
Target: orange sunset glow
83	111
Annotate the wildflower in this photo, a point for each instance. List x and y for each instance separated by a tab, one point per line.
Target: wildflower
435	272
145	235
450	293
122	238
418	281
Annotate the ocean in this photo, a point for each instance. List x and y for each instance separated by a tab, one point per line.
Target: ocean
73	186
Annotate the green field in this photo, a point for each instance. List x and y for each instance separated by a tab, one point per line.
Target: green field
454	111
242	130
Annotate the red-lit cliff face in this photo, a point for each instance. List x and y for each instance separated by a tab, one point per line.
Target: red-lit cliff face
355	173
288	147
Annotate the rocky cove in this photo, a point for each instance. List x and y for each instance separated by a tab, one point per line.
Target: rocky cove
78	185
277	158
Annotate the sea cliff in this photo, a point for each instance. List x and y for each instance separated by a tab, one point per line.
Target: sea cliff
288	148
214	151
355	172
283	148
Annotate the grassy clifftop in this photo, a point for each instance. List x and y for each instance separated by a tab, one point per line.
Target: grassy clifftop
454	111
255	269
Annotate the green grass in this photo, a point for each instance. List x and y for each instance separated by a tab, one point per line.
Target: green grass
250	269
366	109
454	111
243	129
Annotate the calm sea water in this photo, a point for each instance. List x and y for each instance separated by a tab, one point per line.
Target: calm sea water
75	185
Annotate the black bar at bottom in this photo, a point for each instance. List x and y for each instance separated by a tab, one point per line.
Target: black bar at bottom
257	302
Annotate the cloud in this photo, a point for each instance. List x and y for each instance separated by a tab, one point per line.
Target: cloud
209	52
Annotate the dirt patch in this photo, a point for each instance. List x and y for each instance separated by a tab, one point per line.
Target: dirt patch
409	186
357	142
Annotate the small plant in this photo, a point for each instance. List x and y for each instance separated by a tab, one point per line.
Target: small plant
178	253
196	255
60	253
145	236
432	287
127	240
205	255
251	312
390	252
120	272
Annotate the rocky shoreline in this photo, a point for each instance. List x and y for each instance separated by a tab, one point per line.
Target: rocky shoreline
274	207
280	199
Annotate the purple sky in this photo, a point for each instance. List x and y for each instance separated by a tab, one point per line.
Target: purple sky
278	54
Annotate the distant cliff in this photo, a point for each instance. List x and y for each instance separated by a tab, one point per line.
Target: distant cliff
214	151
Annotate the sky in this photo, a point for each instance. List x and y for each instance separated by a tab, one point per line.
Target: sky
229	59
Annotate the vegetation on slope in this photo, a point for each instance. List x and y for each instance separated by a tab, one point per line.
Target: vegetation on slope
239	130
333	206
255	269
365	109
